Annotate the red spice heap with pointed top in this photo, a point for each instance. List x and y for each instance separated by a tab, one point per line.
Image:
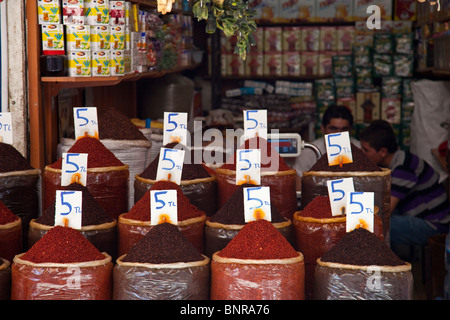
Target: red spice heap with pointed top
318	208
6	215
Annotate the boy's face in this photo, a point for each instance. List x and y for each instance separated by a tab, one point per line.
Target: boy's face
336	125
375	156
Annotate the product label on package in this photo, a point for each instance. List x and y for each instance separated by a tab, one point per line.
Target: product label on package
73	12
49	11
52	38
101	63
117	38
78	38
100	37
117	63
96	12
79	64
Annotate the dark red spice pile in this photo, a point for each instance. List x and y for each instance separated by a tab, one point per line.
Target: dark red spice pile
12	160
114	125
232	212
98	155
163	243
360	163
63	245
267	154
186	210
258	239
6	215
318	208
190	171
363	248
93	213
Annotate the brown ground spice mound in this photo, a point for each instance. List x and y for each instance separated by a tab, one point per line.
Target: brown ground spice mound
190	171
12	160
163	243
93	213
232	212
6	215
360	163
362	248
114	125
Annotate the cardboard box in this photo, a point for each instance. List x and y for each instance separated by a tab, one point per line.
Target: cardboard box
235	65
334	10
117	63
307	10
391	110
405	10
273	37
101	63
291	39
79	64
73	12
96	12
309	63
310	39
117	40
100	37
290	64
254	64
288	11
52	39
266	10
117	12
325	64
368	106
328	39
345	36
360	9
49	11
272	64
78	37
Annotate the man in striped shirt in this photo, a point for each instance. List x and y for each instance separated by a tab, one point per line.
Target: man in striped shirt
420	207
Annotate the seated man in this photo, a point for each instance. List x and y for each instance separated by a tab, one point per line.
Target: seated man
419	203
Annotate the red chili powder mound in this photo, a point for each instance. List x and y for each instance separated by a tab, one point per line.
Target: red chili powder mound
360	163
267	154
318	208
63	245
258	239
98	154
6	215
186	210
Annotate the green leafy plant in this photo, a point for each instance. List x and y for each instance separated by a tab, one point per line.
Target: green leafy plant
233	17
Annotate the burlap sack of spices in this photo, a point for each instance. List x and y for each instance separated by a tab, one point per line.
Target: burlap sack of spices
11	242
5	279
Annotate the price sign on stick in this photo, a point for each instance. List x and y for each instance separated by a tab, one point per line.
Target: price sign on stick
170	165
248	166
338	191
255	124
360	211
74	168
257	203
163	207
85	122
175	127
68	208
6	134
338	147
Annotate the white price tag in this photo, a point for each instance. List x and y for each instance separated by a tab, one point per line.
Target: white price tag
339	150
74	168
85	122
163	207
170	165
175	127
68	208
255	124
360	211
338	191
248	166
6	134
257	203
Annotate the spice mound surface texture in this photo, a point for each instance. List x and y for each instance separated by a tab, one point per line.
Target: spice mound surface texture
12	160
259	239
6	215
232	212
360	163
93	212
62	245
190	171
318	208
114	125
362	248
164	243
98	155
267	155
186	210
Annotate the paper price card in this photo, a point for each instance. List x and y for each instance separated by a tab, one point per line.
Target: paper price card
360	211
6	128
74	168
68	208
85	122
338	191
175	127
338	147
163	207
170	165
248	166
257	203
255	124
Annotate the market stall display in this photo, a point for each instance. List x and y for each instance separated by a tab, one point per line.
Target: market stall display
274	173
107	177
258	264
62	265
197	182
367	177
10	233
133	225
163	265
5	279
229	220
96	225
362	267
317	231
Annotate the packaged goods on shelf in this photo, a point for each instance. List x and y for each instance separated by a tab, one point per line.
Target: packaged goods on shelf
73	12
49	12
53	39
96	12
78	37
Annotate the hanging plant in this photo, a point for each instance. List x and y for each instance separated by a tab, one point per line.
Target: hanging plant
233	17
